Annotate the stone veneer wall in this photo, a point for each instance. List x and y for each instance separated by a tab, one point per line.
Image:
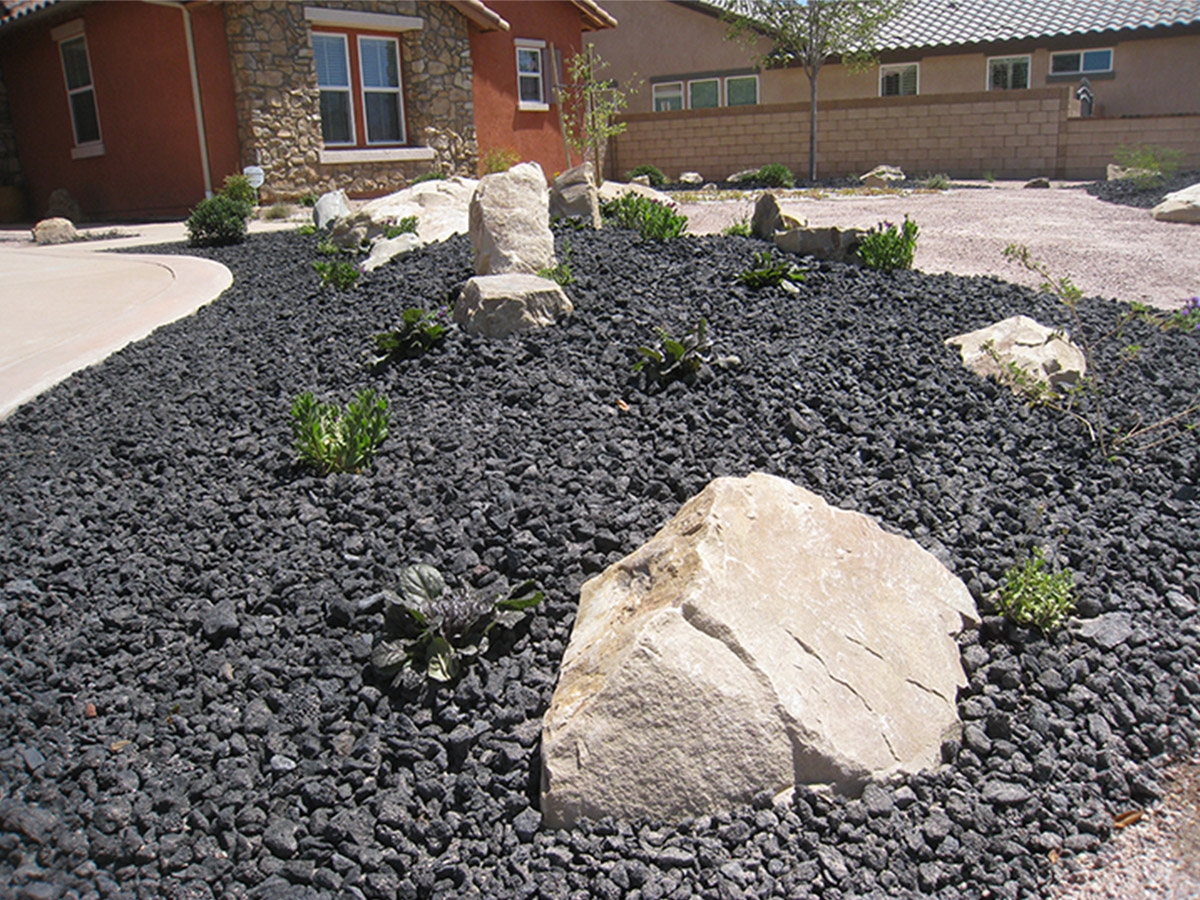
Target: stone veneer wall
278	105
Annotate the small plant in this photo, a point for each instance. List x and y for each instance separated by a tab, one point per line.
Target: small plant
888	246
989	177
498	159
308	229
1150	165
419	332
309	200
672	359
407	225
433	632
654	173
938	182
740	228
326	247
429	176
561	272
775	175
217	222
333	441
341	274
237	187
277	211
768	271
1032	595
1188	317
653	220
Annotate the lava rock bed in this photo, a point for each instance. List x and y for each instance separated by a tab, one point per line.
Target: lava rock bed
189	711
1126	191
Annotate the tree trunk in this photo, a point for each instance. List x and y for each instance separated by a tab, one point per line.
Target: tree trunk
812	128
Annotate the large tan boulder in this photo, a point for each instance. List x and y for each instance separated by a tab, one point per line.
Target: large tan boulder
1043	353
768	218
55	230
1179	206
510	222
762	639
440	207
573	195
495	306
836	244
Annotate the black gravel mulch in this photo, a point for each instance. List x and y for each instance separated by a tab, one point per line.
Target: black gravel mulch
1126	191
188	709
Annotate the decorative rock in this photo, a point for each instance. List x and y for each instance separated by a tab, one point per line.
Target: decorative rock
743	175
329	208
573	195
220	622
768	218
882	177
495	306
510	222
761	639
691	178
440	207
55	231
1108	631
358	230
643	180
384	251
1179	206
1038	183
611	190
1120	173
62	205
839	245
1040	351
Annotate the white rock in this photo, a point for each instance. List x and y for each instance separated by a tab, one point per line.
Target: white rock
761	639
329	208
1179	206
495	306
1039	350
440	206
386	249
882	176
56	230
510	222
691	178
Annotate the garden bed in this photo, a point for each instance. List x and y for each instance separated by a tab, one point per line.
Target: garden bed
152	748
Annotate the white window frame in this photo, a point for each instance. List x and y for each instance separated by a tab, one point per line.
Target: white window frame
1081	71
1009	59
754	78
720	93
899	69
71	31
348	89
397	91
677	90
529	45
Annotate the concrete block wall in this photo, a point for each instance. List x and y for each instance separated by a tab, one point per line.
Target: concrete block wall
1091	144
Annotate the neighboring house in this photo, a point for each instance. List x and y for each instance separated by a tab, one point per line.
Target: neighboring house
141	109
1140	58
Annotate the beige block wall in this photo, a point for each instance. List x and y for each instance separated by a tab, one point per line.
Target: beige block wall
1089	145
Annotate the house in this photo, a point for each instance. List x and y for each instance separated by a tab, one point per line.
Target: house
949	75
141	109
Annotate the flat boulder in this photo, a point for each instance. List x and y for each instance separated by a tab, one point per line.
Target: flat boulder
1179	206
384	250
691	178
495	306
836	244
1042	352
769	218
573	195
510	222
611	190
440	206
330	207
762	639
882	177
56	230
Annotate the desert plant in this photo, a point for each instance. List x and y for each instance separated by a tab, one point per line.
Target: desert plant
308	229
309	200
1032	595
217	222
237	187
341	274
335	441
434	632
276	211
1151	165
654	173
407	225
683	359
888	246
560	272
775	175
1187	317
740	228
653	220
498	159
938	182
989	177
419	332
769	271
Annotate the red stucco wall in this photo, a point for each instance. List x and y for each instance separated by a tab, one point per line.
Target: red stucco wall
151	165
536	136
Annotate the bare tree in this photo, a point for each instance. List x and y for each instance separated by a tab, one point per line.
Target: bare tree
809	32
589	105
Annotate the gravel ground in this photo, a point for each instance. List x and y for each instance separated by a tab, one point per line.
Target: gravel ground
1109	250
188	710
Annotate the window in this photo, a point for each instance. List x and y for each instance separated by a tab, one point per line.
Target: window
1008	73
380	62
81	93
359	81
898	81
705	94
1081	62
741	91
668	97
333	80
531	80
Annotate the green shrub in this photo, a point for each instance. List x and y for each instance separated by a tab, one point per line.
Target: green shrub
429	176
740	228
653	220
433	632
237	187
654	173
889	246
342	275
1031	595
672	359
419	332
498	159
333	441
560	273
767	271
217	222
938	182
407	225
775	175
1152	165
309	200
308	229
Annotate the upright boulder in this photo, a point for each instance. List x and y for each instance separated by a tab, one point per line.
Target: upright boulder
768	218
495	306
329	208
1041	352
510	222
1179	206
573	195
762	639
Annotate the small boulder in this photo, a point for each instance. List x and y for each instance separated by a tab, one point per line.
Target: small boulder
495	306
882	177
510	222
643	180
386	249
55	231
835	244
762	639
329	208
573	195
357	230
768	218
1038	183
1120	173
1179	206
743	175
62	205
691	178
1042	352
611	190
